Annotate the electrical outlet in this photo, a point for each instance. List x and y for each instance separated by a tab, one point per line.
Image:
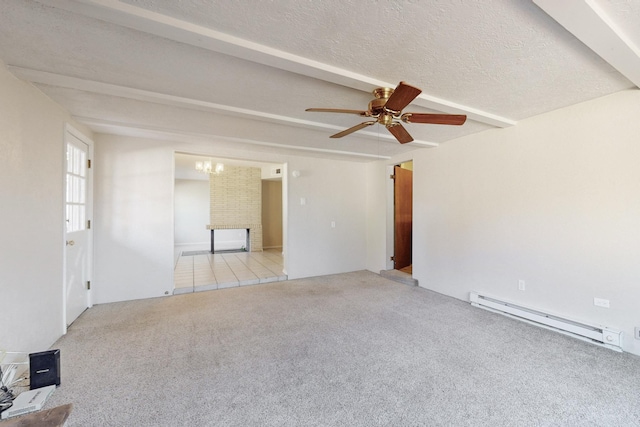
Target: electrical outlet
637	334
600	302
521	285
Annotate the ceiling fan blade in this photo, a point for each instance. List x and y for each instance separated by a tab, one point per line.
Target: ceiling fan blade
400	133
436	119
401	97
338	110
352	129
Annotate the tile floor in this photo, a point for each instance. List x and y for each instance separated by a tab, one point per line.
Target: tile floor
217	271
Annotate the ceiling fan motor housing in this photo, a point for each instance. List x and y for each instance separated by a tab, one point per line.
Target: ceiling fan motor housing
376	106
382	94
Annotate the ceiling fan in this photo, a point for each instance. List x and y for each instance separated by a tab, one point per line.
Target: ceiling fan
387	108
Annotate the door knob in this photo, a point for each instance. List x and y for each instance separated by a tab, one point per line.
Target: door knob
70	243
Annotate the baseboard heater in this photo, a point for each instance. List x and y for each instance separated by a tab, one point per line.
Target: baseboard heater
598	335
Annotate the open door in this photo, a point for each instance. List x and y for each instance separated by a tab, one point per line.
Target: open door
77	227
403	217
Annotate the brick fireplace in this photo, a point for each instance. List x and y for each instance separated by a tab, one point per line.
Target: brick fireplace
236	203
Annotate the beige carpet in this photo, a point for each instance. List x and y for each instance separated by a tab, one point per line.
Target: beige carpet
345	350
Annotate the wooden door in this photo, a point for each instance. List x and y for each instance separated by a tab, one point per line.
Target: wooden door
403	217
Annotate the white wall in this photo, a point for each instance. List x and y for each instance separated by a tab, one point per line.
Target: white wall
554	201
378	213
332	191
133	231
31	219
191	201
134	187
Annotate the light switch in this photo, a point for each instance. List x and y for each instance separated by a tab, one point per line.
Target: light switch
303	201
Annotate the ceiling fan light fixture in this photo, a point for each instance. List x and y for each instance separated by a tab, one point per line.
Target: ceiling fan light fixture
387	108
386	119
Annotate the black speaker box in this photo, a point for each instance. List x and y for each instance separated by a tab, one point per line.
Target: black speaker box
44	369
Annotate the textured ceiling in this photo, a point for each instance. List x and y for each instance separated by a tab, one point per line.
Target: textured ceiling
246	71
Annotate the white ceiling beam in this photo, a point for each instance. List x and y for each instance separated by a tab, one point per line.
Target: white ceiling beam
591	25
134	130
170	28
58	80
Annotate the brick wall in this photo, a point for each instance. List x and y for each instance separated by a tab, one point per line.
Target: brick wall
236	202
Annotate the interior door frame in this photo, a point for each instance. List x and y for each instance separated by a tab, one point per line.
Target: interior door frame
390	218
285	201
70	130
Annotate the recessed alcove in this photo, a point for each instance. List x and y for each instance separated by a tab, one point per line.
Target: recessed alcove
225	239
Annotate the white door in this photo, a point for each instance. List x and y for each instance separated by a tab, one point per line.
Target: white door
77	254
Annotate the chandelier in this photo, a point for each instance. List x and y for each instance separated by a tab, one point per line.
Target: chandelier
207	167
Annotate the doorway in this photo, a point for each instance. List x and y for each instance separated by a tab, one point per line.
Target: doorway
196	267
77	229
403	217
